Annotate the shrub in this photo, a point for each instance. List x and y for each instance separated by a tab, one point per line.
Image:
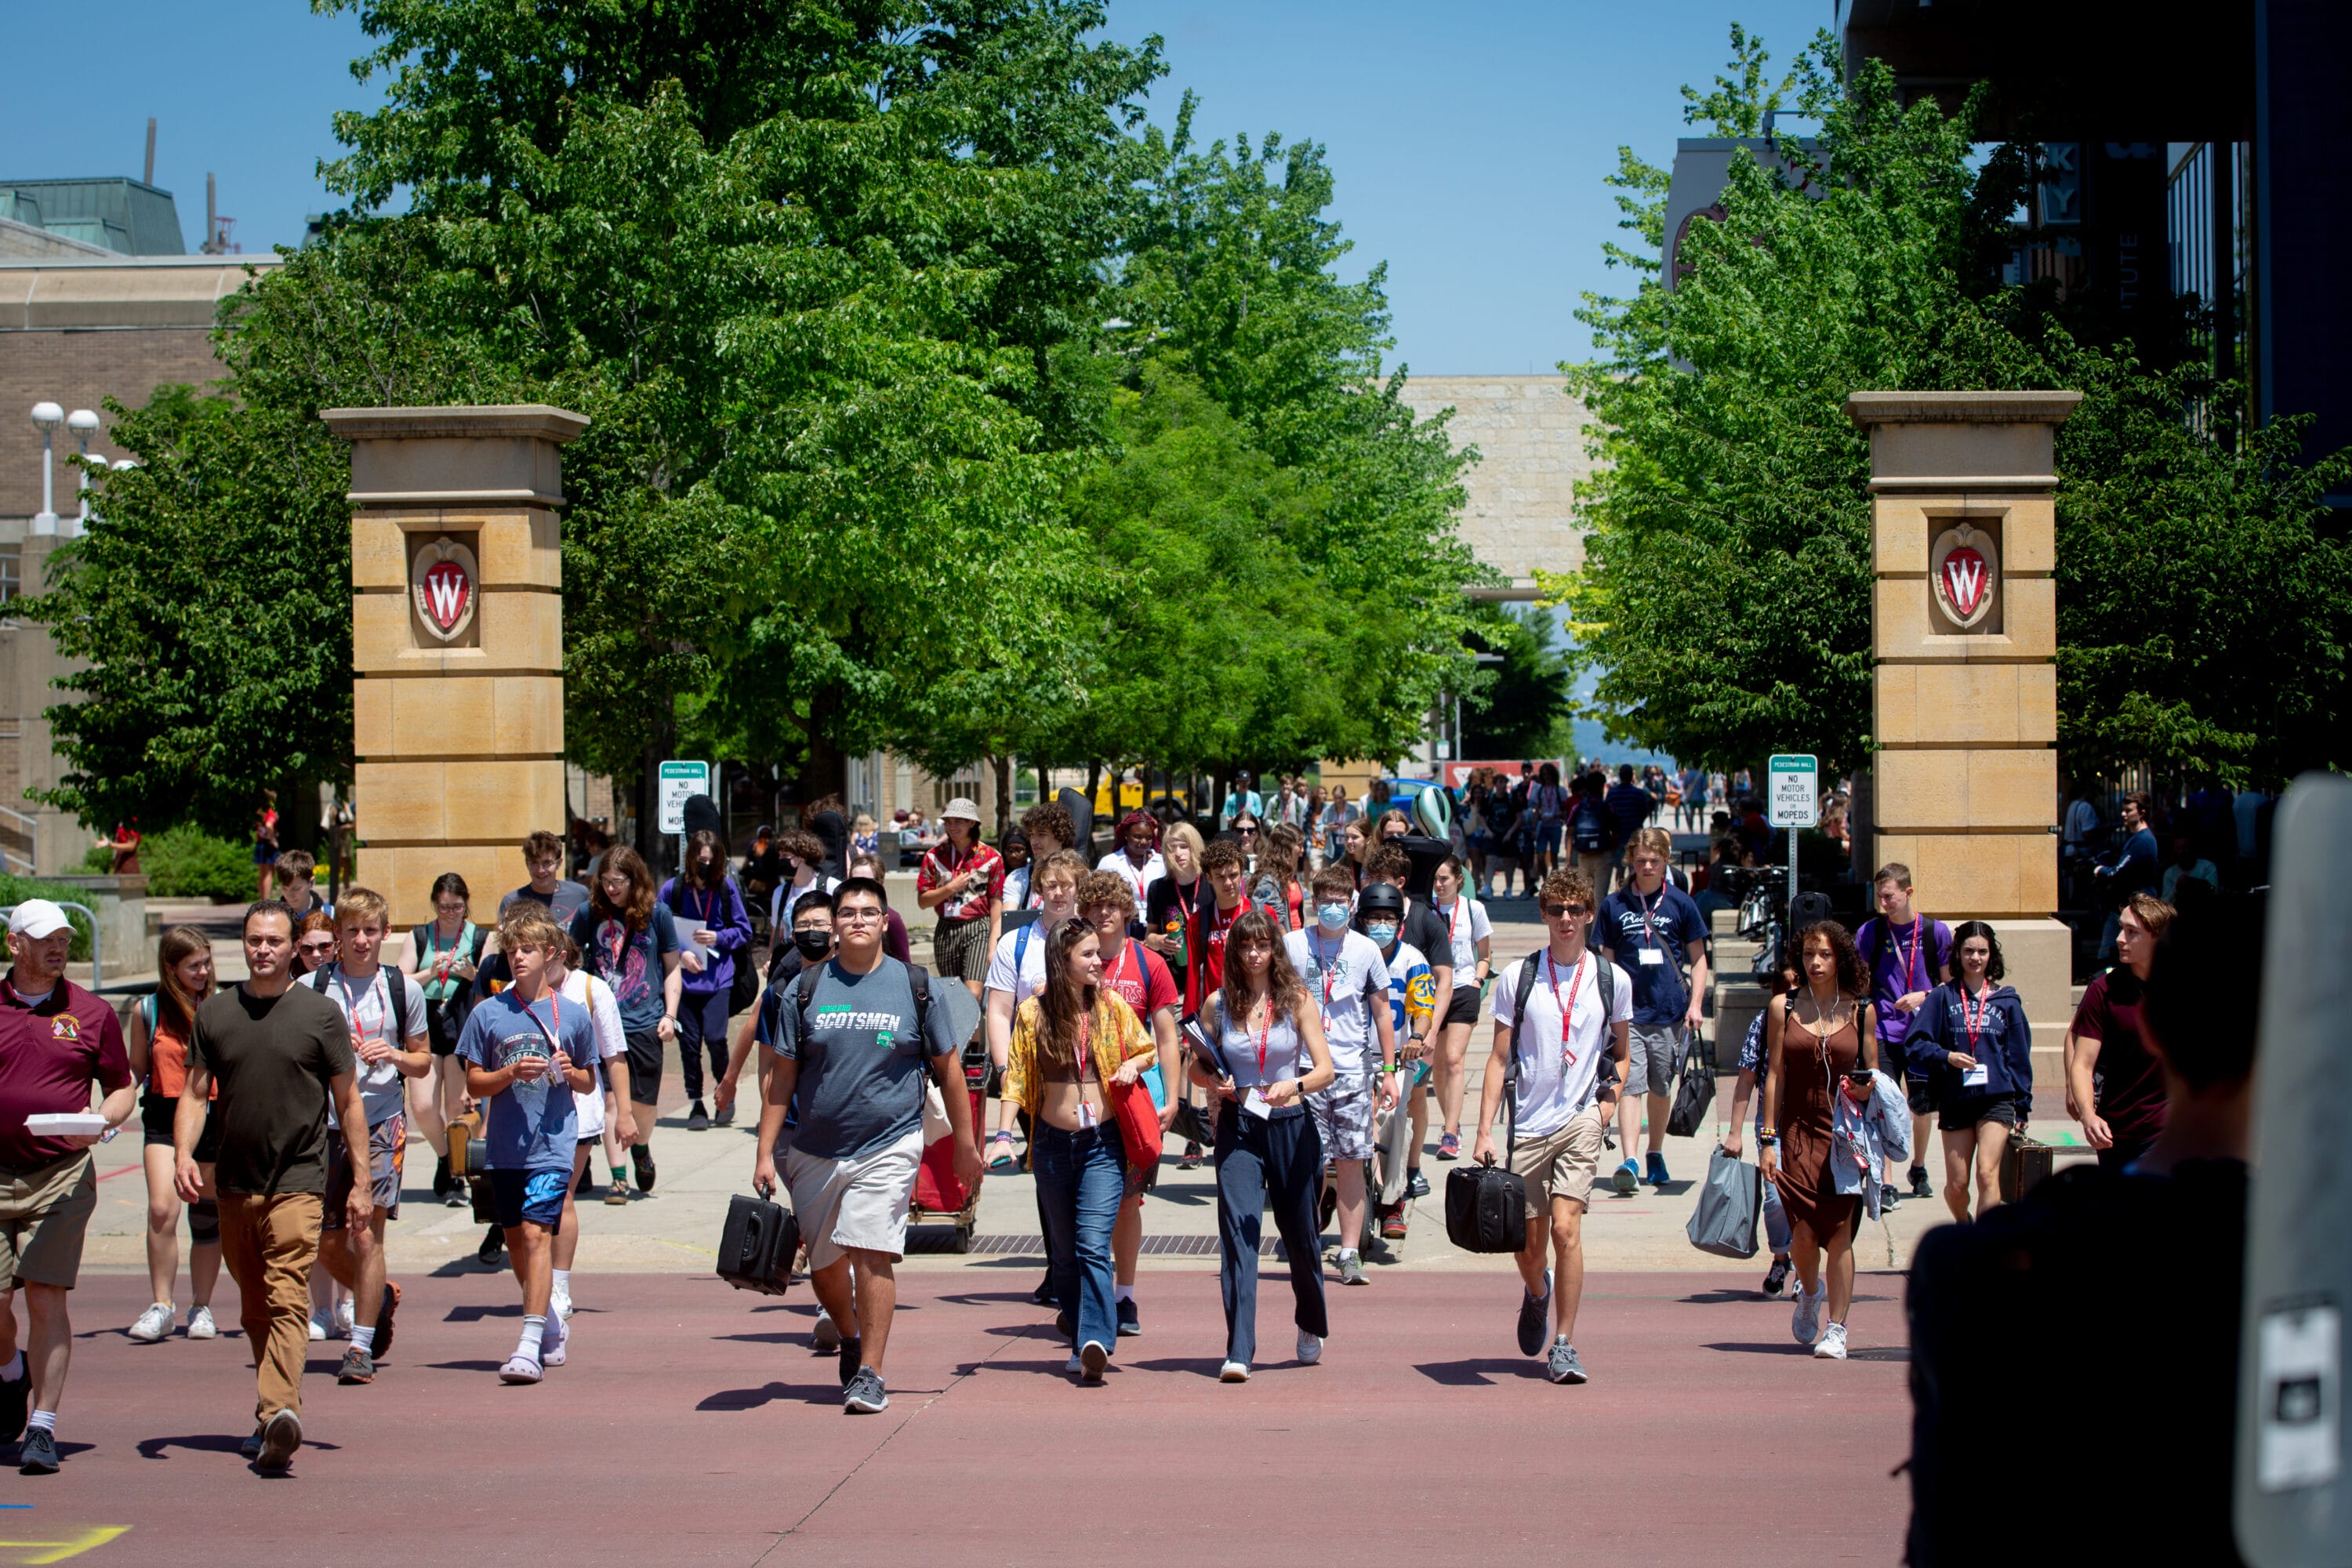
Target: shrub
186	862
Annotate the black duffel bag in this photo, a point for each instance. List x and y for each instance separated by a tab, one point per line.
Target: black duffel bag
757	1245
1486	1205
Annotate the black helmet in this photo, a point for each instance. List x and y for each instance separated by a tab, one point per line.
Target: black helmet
1379	899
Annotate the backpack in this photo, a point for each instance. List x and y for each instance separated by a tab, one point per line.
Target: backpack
1589	828
919	979
317	981
1606	979
1937	958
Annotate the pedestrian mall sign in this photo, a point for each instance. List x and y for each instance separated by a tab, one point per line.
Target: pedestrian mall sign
1965	569
1794	797
441	579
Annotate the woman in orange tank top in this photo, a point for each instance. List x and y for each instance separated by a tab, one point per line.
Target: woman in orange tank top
157	1041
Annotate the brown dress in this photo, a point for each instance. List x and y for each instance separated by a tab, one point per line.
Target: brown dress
1807	1193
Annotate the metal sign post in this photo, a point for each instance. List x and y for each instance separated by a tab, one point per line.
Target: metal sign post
680	782
1793	800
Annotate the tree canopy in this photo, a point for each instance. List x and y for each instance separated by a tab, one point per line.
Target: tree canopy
868	304
1725	596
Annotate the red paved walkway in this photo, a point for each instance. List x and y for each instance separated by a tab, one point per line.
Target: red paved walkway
694	1426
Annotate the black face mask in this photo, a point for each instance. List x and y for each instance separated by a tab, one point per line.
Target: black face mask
813	943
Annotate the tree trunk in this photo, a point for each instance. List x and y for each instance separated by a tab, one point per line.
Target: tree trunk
1093	783
826	770
1000	768
1044	788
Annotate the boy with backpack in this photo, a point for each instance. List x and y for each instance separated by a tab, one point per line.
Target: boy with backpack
1568	1009
1906	954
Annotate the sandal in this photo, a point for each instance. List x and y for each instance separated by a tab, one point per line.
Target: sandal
1002	1160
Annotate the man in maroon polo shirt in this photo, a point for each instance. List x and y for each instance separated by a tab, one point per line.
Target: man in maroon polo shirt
56	1039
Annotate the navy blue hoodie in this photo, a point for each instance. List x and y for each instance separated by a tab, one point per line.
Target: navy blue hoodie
2004	1045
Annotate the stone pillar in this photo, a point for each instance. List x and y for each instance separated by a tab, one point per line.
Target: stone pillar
1964	632
456	644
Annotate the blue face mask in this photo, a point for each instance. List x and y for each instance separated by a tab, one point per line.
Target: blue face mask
1332	917
1383	933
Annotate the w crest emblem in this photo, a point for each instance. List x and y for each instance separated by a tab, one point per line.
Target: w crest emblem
1966	575
441	582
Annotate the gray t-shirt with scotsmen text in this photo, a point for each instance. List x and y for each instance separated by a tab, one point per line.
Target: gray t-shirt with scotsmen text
862	1068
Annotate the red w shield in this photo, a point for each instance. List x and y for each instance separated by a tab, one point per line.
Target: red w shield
448	590
1965	581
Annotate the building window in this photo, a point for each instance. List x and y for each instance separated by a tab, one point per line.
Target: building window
12	558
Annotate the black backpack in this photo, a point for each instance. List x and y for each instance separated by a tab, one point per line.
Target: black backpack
919	979
317	981
1589	827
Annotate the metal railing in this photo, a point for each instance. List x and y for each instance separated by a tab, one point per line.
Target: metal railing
31	826
96	976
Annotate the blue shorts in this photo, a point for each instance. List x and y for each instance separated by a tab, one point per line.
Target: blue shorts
1548	836
533	1195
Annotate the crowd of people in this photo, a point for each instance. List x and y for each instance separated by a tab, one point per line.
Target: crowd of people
1284	999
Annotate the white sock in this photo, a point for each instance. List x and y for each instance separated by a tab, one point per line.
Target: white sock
363	1337
553	1333
1122	1293
534	1329
47	1420
14	1372
1347	1252
563	1281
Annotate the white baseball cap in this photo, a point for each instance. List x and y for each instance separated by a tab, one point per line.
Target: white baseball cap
38	917
963	807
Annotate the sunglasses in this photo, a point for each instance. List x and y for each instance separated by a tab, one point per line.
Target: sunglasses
1553	911
1247	832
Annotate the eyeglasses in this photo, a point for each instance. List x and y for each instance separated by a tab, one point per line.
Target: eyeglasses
1553	911
856	917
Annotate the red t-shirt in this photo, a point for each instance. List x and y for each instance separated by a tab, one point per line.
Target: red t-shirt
1141	979
48	1055
1206	946
2129	1085
941	867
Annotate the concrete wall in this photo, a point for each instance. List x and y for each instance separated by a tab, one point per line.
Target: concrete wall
1530	437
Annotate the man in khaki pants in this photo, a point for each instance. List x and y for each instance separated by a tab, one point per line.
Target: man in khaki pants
276	1051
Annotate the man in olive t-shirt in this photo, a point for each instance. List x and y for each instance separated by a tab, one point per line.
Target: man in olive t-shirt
275	1051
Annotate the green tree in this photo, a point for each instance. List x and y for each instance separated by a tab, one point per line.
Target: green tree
1518	714
1725	597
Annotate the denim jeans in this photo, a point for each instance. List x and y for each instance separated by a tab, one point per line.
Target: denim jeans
1278	1163
1080	1178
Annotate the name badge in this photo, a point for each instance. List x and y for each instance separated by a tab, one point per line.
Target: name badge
1977	1077
1653	955
1085	1116
1254	1103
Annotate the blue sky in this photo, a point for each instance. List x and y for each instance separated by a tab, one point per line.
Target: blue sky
1469	140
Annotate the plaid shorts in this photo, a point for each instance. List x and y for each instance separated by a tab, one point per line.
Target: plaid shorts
1343	1115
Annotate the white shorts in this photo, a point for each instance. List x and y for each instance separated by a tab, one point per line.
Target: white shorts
860	1202
589	1109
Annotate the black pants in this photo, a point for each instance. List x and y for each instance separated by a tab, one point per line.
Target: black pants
1274	1162
701	1026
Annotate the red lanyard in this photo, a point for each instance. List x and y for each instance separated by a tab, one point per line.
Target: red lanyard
1329	966
1453	920
1649	929
1126	960
555	1011
1078	1056
1263	1036
1567	1008
1973	1019
1913	961
1176	892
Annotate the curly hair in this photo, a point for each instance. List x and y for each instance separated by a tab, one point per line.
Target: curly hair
1852	979
1054	818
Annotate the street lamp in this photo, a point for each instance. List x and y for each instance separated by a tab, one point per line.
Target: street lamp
48	417
84	424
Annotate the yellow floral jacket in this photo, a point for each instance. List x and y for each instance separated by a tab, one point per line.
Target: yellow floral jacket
1118	1036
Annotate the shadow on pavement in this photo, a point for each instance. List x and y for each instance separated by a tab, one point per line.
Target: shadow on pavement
1480	1371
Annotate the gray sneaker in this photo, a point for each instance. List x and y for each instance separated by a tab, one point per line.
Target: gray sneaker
1533	1313
864	1395
1563	1366
1351	1269
38	1454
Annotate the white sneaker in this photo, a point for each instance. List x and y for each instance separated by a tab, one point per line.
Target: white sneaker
154	1323
1806	1323
1310	1348
826	1336
201	1325
1832	1345
318	1329
559	1305
1234	1371
1072	1367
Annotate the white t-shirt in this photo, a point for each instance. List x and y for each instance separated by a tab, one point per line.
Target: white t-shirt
1354	976
1016	888
1018	964
1557	1083
1138	879
780	913
366	1006
1468	925
605	1018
